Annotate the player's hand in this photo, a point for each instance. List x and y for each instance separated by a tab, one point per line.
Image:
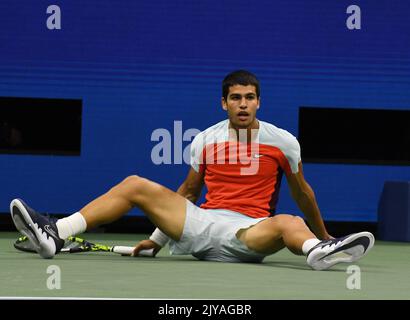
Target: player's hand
146	245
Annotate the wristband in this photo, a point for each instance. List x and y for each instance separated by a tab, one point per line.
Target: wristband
159	237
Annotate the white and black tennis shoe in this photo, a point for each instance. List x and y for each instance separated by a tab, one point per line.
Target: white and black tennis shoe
40	230
347	249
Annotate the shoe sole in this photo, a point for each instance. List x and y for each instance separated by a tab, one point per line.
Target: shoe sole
346	256
24	223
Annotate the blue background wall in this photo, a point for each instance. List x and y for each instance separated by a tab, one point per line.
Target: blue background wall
141	65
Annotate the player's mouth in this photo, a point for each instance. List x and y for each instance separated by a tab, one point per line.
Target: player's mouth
243	115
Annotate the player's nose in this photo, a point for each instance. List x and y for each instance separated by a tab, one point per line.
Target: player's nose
243	104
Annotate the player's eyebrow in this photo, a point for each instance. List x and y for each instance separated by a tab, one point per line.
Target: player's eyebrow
249	94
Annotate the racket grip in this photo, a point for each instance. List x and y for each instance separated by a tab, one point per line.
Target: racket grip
123	250
129	250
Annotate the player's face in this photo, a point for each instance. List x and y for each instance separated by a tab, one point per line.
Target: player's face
241	104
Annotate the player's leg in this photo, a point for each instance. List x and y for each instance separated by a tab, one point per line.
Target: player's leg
289	231
273	234
165	208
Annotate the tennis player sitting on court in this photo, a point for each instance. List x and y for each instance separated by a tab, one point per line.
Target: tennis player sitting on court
241	161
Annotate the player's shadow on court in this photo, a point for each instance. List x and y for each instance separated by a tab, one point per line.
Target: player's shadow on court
294	265
269	264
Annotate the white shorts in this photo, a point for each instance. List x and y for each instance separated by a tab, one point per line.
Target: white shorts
211	235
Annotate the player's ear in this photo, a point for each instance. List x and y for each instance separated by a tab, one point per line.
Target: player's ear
259	101
223	103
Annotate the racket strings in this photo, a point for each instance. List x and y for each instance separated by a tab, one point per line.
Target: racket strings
89	246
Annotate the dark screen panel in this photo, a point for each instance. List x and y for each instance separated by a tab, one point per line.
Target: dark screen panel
40	126
342	135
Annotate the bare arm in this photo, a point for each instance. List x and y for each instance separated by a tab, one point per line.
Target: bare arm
305	198
191	188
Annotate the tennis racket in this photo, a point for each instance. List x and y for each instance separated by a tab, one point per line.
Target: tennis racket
77	245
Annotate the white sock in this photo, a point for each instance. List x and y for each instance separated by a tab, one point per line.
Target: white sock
71	225
309	244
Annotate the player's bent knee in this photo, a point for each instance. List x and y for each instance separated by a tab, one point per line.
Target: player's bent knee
299	220
296	223
282	220
141	191
130	186
285	222
131	179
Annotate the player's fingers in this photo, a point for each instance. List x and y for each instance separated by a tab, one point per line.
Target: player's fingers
137	249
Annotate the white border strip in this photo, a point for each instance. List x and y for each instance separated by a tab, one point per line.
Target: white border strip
64	298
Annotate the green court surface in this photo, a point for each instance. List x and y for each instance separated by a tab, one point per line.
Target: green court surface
384	274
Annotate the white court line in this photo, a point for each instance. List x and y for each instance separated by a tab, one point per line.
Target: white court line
68	298
87	298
